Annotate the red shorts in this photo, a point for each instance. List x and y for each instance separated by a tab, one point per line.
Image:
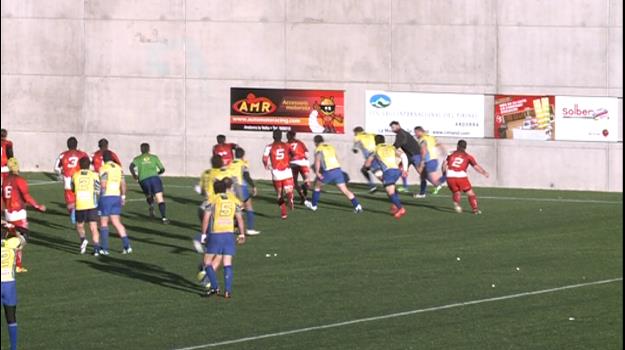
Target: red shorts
459	184
70	197
20	223
286	184
303	170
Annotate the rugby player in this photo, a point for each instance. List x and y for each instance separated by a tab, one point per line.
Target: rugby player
66	165
224	150
15	197
410	146
328	171
112	200
300	165
10	249
147	168
457	179
103	146
86	187
365	143
277	159
7	152
208	178
429	154
239	168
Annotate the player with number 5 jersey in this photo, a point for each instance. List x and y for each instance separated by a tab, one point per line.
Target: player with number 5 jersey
456	166
66	166
277	159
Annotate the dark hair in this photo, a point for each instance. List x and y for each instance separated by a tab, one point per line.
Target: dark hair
103	143
277	135
290	135
107	156
145	147
3	133
219	186
239	152
72	143
462	145
221	139
419	128
379	139
228	182
217	162
359	129
394	122
318	139
84	163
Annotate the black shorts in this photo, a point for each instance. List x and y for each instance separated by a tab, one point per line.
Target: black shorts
89	215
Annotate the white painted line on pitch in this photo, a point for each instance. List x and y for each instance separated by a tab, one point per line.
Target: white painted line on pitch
42	183
400	314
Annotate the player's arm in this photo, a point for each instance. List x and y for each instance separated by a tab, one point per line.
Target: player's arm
205	221
355	146
104	180
478	168
242	230
58	165
403	159
116	159
318	165
248	178
159	165
423	150
23	188
266	154
132	168
400	139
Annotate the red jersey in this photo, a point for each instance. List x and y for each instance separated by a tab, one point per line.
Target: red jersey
98	161
68	161
458	163
6	145
15	194
278	156
225	151
298	150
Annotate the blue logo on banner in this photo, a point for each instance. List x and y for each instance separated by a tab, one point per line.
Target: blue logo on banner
380	101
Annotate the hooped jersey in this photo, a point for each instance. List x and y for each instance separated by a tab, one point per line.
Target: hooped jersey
15	194
327	153
208	178
68	161
387	156
365	143
224	207
225	151
86	185
112	173
277	156
458	163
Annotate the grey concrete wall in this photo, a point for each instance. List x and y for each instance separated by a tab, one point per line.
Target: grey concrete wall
160	71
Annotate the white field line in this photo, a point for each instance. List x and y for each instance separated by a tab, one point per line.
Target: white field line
399	314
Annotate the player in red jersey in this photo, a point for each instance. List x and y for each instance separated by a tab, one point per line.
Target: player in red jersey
277	158
67	165
7	153
456	166
15	197
300	165
224	150
96	159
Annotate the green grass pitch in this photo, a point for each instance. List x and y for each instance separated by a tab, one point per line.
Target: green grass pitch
334	266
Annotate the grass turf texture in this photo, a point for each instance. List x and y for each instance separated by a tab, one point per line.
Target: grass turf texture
334	266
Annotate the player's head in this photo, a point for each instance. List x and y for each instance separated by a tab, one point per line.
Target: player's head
4	133
239	153
107	156
462	145
72	143
219	187
379	139
228	182
395	126
84	163
145	148
277	136
103	144
13	165
318	139
358	130
419	131
290	135
217	162
221	139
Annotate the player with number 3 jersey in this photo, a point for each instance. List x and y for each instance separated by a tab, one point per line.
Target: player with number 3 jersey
66	166
277	159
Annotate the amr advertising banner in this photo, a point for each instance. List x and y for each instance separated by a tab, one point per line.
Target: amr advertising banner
524	117
451	115
312	111
586	118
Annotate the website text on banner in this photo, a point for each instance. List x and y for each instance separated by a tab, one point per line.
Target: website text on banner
524	117
586	119
316	111
451	115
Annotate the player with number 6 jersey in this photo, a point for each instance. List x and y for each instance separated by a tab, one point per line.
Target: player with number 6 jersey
456	166
66	166
277	159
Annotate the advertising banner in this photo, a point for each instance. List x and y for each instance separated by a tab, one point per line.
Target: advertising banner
451	115
586	118
312	111
524	117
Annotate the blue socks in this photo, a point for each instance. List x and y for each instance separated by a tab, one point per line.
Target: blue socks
228	275
104	238
212	277
163	209
395	200
125	242
72	216
315	198
404	181
355	202
13	335
250	219
424	185
443	179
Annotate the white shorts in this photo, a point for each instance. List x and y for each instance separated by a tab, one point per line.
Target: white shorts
279	175
67	182
301	162
12	216
5	169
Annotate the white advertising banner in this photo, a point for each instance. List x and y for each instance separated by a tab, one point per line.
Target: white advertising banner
586	119
451	115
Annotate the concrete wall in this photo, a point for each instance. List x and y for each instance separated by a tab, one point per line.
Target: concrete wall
160	71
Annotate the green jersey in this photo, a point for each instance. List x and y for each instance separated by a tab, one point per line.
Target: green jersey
148	165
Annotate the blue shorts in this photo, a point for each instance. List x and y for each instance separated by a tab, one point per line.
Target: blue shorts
390	176
431	166
244	193
9	293
151	185
375	165
415	160
334	176
221	244
110	205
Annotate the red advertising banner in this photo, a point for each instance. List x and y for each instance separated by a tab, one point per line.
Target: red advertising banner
524	117
313	111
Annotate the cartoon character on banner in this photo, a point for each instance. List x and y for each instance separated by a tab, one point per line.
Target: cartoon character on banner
323	117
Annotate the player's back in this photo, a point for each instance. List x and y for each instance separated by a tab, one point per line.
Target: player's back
430	143
113	174
327	153
366	142
87	187
458	162
69	161
279	155
207	181
98	161
298	150
225	151
6	144
387	156
12	192
224	207
237	168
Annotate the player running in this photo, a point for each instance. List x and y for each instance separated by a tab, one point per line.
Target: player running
10	250
103	146
111	202
224	210
86	187
365	143
15	198
429	157
224	150
7	152
300	165
457	179
277	159
239	169
146	168
66	165
386	156
328	171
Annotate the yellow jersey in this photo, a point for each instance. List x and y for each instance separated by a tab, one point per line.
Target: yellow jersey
387	156
223	208
8	260
208	178
365	143
86	184
430	143
237	168
328	157
112	173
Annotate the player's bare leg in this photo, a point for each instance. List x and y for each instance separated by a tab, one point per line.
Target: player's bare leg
299	188
457	197
80	229
290	196
473	202
95	237
160	200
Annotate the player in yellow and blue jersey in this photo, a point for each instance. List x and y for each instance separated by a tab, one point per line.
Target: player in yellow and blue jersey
365	143
111	202
10	249
428	158
240	171
219	171
328	171
86	187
